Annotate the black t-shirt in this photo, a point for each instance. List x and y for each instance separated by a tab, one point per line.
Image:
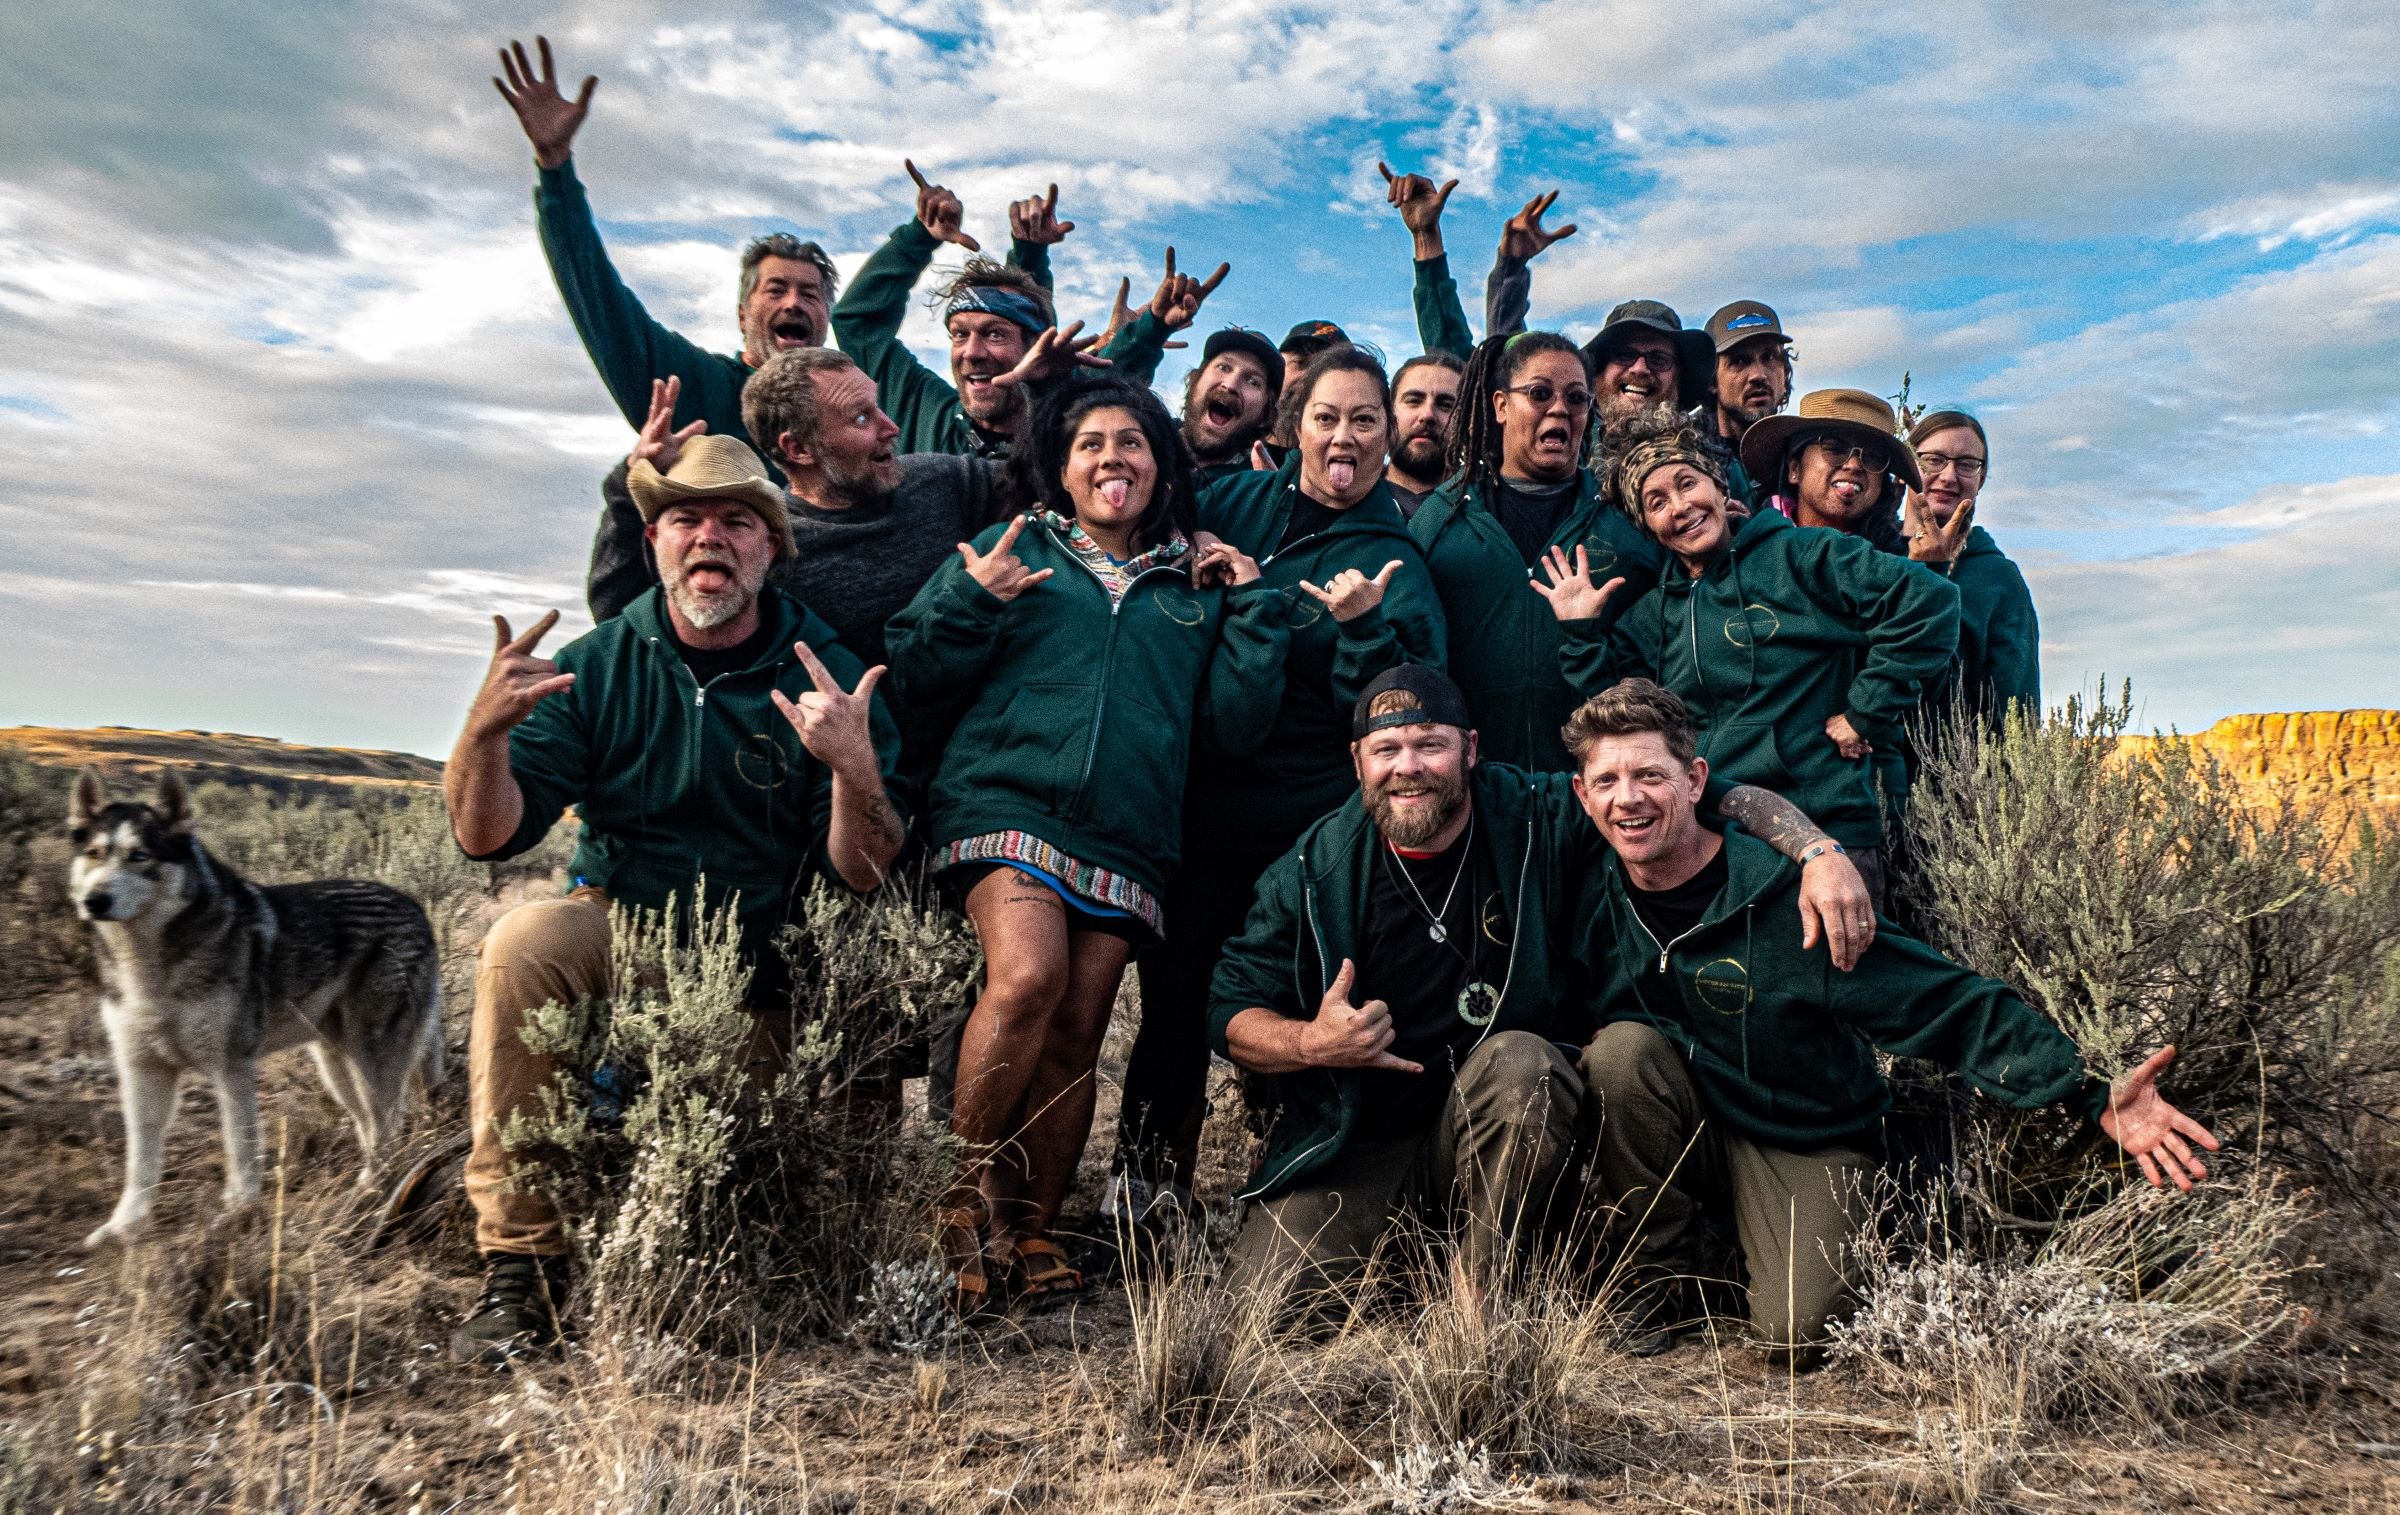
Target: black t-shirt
1308	518
1422	979
709	662
1531	513
1669	913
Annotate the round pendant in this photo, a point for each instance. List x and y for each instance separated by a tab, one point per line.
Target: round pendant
1478	1003
1438	932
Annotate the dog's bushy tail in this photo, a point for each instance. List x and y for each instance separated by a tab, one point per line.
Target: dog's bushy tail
432	1064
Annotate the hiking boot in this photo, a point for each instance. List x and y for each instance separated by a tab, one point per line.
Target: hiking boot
1656	1316
517	1314
1135	1203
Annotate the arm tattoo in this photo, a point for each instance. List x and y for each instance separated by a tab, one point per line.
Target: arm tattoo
1772	819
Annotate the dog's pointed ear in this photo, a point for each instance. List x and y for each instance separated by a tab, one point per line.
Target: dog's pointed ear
89	799
174	802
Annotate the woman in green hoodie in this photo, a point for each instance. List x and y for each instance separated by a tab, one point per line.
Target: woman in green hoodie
1999	660
1517	450
1078	651
1325	529
1798	650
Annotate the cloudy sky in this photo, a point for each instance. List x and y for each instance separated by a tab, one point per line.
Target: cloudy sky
290	403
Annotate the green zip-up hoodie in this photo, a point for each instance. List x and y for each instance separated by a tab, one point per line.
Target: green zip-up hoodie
1762	648
1504	640
628	347
1999	637
866	325
675	781
1302	770
1311	907
1783	1044
1075	721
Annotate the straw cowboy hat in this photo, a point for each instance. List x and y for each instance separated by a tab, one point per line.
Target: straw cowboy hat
711	467
1849	413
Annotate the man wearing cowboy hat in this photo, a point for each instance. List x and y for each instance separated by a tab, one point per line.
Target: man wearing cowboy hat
715	734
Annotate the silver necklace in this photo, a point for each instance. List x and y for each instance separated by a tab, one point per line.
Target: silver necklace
1438	931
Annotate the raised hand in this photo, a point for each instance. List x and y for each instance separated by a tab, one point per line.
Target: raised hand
1001	572
1261	460
1571	593
1035	219
550	119
2159	1136
1420	206
1846	737
1351	1036
1351	594
516	681
939	212
1927	542
1524	236
1220	562
1051	353
833	725
1179	297
660	442
1835	904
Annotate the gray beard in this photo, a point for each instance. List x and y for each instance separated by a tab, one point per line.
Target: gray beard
707	611
1416	829
860	489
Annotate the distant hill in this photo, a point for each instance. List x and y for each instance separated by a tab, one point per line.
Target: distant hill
2317	757
127	754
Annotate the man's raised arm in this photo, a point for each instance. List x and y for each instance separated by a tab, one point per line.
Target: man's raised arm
1441	319
1508	293
487	806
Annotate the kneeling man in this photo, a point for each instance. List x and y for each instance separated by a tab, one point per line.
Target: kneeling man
1401	977
714	731
1735	1064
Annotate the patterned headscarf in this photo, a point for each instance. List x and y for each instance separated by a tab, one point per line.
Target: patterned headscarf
1649	453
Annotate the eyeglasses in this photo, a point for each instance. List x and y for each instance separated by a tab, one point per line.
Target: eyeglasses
1656	359
1541	394
1935	462
1841	450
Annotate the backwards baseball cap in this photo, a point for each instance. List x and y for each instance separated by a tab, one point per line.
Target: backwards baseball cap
1743	320
1438	701
1312	337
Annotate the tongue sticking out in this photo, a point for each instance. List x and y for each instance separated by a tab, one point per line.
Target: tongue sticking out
1114	491
1339	473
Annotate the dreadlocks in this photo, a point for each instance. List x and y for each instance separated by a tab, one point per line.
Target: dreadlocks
1473	441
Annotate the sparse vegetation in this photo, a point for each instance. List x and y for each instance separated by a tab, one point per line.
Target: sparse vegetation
761	1328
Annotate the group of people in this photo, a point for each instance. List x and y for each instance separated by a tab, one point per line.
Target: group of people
1495	758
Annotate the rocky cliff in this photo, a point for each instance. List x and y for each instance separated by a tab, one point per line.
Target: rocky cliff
2318	757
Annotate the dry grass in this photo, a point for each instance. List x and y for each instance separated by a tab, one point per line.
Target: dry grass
2132	1352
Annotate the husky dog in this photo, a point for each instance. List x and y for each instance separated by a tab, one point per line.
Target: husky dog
202	971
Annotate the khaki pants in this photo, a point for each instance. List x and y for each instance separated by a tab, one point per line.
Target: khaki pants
541	952
1491	1164
1659	1160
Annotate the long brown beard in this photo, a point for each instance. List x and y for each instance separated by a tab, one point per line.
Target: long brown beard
1417	828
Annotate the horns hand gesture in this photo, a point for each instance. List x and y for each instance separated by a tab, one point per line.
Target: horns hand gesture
516	681
1179	297
1524	237
1001	572
1420	206
550	119
1035	219
2159	1136
833	726
661	442
940	212
1350	593
1053	353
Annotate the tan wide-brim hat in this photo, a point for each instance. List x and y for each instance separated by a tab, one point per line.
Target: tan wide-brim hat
711	468
1851	412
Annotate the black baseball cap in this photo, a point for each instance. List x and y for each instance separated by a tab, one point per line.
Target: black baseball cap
1312	337
1253	344
1438	700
